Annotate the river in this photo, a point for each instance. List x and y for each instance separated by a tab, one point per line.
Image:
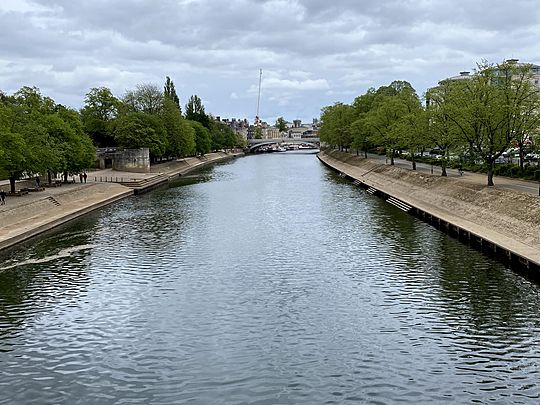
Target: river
266	280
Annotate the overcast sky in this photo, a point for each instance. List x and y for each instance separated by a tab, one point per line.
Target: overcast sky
312	52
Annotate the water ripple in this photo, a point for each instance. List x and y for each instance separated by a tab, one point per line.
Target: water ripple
269	281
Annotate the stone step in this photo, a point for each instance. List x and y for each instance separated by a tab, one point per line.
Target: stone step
53	200
398	203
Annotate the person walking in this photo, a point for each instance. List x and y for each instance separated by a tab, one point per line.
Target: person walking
84	176
2	197
80	177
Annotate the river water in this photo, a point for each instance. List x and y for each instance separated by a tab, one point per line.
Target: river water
267	280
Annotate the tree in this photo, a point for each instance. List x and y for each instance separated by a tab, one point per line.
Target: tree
78	151
391	104
359	129
13	160
497	105
203	141
30	113
140	130
169	92
180	135
360	135
146	98
441	129
195	111
281	124
99	115
335	125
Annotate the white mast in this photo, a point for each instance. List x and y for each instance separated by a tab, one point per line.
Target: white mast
257	120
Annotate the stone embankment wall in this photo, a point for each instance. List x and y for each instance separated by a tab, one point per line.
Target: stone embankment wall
30	219
508	220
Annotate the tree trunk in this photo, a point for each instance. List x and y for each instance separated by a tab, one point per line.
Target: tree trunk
490	174
65	177
392	157
443	168
521	158
12	184
365	153
413	163
49	176
357	152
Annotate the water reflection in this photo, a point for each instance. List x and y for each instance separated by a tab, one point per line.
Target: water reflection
42	274
267	280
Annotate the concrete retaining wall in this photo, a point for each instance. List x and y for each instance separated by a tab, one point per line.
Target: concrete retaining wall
504	221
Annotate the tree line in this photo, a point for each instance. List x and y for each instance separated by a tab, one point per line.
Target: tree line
39	136
473	118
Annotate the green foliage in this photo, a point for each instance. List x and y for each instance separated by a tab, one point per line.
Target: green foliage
195	111
222	135
180	134
478	117
335	125
169	92
141	130
281	124
258	133
146	98
14	155
99	114
203	141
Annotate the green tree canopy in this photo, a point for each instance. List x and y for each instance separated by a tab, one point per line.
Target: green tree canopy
203	141
180	134
146	98
99	114
195	111
169	91
281	124
141	130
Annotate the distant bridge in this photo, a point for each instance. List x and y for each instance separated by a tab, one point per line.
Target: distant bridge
254	144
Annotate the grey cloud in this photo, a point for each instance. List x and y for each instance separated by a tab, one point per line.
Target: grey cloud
215	47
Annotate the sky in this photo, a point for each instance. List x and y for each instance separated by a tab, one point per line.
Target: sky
312	53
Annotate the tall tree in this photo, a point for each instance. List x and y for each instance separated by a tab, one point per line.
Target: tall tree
99	114
496	105
169	92
140	130
195	111
180	135
335	125
146	98
391	104
203	142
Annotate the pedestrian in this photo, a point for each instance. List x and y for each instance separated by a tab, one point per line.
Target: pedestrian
2	197
38	182
460	170
80	177
84	176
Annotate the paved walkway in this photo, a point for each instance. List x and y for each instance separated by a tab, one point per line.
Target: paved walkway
507	183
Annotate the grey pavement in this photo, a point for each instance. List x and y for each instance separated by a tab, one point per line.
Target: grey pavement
507	183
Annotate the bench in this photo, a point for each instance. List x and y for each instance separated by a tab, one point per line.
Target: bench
18	193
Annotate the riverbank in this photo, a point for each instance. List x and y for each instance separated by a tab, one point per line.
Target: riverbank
507	222
26	216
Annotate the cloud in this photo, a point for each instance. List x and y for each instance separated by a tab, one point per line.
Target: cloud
312	52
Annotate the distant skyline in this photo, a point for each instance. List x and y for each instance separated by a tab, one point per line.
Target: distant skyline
312	52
